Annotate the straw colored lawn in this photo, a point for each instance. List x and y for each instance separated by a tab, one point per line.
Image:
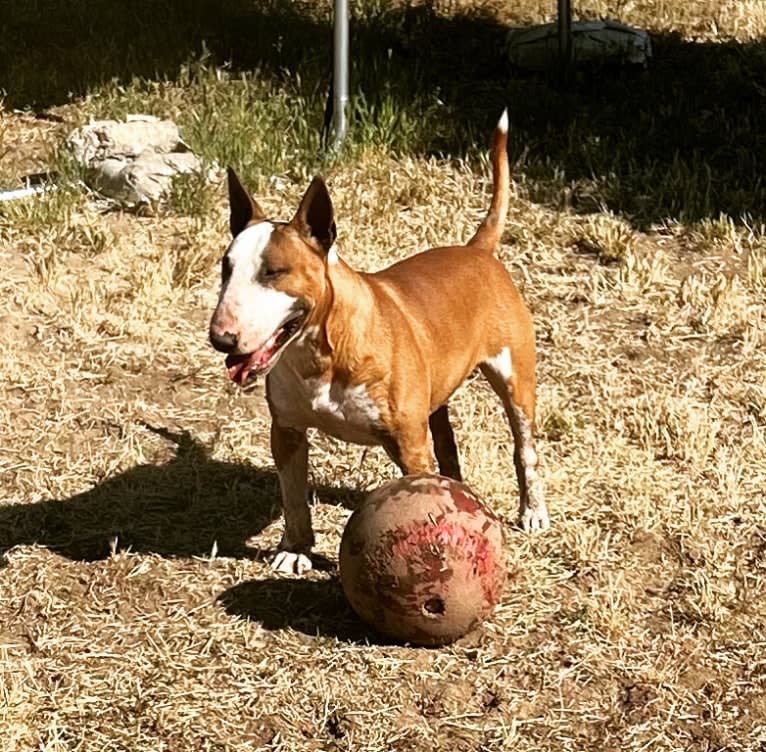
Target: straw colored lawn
139	504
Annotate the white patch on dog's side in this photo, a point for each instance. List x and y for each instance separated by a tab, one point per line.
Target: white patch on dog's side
501	364
255	311
332	255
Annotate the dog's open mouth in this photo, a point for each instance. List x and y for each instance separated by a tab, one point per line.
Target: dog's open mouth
242	367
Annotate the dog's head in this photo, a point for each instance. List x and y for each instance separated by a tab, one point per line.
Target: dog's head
273	276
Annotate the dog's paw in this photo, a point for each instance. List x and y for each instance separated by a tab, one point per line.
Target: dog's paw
288	562
535	520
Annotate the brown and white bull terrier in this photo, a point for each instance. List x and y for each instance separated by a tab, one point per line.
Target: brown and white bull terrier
373	358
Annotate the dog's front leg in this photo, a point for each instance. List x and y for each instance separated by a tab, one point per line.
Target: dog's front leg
410	449
290	450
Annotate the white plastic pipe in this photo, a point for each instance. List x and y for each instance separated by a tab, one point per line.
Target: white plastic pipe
19	193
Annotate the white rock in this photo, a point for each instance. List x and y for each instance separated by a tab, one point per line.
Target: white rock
134	161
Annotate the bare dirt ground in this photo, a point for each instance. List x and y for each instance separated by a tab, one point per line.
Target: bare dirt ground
139	505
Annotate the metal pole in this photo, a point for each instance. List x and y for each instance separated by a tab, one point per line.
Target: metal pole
340	71
565	35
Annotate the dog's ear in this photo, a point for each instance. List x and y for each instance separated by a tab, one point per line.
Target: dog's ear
314	218
243	208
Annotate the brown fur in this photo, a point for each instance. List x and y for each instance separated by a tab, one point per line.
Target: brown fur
406	337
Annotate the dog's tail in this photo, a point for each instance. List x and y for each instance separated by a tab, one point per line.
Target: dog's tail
490	230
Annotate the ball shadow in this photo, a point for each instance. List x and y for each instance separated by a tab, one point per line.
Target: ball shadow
312	607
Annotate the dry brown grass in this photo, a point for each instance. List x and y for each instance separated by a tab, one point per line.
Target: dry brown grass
743	20
137	611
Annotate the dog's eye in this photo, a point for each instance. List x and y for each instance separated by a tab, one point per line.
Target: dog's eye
273	273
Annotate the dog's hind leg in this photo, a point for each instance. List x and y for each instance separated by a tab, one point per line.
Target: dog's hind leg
515	385
290	450
444	443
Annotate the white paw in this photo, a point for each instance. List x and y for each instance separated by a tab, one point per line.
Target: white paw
535	520
288	562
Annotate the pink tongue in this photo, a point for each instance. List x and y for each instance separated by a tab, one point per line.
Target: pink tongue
239	366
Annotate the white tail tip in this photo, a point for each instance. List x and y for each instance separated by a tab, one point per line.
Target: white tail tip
502	124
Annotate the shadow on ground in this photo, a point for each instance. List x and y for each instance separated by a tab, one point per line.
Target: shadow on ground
684	139
183	507
313	607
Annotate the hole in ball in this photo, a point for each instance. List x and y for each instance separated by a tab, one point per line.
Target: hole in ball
433	607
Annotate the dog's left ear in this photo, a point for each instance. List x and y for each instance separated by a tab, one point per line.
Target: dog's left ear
314	218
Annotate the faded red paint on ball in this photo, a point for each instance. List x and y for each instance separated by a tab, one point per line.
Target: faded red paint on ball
412	543
465	502
422	559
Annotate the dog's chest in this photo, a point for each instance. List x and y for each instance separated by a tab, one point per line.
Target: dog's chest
344	411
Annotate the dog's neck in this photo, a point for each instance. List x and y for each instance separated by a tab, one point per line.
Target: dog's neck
337	333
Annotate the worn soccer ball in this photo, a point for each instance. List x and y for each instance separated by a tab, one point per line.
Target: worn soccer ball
422	560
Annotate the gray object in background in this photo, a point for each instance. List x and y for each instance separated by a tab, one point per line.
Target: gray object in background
538	48
133	162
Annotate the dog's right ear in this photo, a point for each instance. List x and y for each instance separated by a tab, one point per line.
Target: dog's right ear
243	208
314	218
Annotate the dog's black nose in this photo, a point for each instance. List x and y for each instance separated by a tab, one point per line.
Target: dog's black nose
224	342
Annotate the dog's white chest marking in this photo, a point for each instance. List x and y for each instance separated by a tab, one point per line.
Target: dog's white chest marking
346	412
344	403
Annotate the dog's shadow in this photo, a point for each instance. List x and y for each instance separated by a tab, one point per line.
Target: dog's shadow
187	506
